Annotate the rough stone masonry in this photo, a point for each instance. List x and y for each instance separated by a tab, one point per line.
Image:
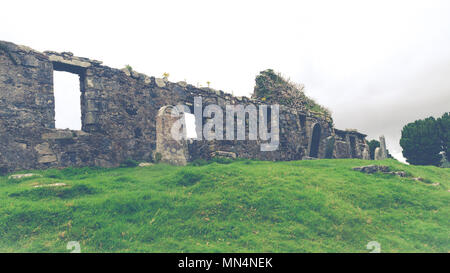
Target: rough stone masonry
120	112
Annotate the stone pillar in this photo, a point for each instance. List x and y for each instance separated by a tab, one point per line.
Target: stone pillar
377	154
366	153
168	149
383	147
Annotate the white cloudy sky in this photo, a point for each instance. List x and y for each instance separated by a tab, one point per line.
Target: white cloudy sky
376	64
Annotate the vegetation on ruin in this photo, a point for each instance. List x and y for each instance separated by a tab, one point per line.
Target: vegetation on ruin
273	87
228	206
129	68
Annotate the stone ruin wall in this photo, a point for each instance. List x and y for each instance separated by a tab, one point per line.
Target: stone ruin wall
119	117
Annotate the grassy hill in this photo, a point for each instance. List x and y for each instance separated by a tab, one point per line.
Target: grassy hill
244	206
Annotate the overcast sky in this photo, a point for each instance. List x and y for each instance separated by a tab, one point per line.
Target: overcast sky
376	65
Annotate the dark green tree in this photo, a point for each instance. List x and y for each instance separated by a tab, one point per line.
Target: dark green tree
421	142
389	154
444	133
373	144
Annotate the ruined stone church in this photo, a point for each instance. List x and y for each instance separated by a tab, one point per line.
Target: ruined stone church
123	116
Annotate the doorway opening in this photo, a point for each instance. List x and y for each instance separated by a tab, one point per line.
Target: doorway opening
315	141
353	146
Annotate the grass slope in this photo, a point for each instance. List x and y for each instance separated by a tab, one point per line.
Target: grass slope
245	206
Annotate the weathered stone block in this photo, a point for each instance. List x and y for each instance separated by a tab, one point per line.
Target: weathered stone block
160	82
223	154
74	62
90	118
30	60
47	159
182	83
89	83
43	149
20	176
126	71
91	106
372	169
58	134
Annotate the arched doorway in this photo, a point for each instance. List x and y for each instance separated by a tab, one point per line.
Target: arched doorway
171	144
315	141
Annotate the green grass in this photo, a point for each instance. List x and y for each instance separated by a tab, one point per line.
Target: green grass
243	206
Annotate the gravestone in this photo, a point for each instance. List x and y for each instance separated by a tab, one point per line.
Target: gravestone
169	149
383	150
377	154
366	153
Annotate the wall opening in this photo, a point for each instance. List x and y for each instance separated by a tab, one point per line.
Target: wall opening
67	92
353	146
315	141
302	121
189	119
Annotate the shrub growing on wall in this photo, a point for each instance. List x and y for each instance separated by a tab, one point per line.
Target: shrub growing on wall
273	87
